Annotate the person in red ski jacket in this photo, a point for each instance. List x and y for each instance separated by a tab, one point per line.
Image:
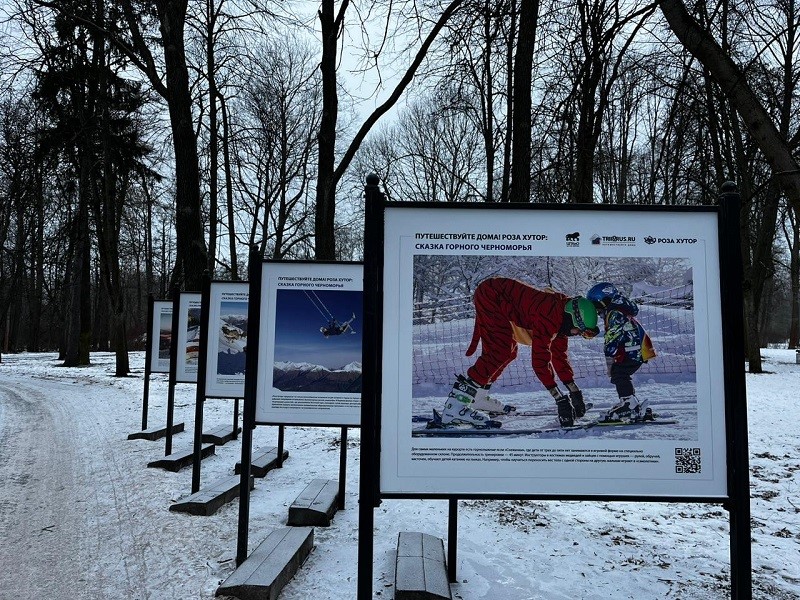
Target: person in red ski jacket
508	313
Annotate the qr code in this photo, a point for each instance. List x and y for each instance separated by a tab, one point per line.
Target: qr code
687	460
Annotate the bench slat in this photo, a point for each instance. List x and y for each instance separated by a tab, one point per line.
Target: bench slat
221	435
420	569
263	463
209	500
316	504
155	433
178	460
271	565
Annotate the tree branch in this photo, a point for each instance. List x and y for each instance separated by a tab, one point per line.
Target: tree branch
398	91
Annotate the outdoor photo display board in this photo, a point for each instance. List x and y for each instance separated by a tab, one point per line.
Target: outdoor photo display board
309	344
188	337
161	336
227	340
667	262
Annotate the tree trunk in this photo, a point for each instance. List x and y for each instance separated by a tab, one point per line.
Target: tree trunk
226	153
37	269
506	184
213	139
520	190
324	216
794	274
77	331
191	254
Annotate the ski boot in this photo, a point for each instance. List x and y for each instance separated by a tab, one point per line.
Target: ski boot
566	412
578	405
459	409
628	409
482	401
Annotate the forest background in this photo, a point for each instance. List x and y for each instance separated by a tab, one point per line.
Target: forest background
143	144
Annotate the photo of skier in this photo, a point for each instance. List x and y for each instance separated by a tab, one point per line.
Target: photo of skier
165	334
306	360
626	346
509	312
476	318
232	338
308	343
334	328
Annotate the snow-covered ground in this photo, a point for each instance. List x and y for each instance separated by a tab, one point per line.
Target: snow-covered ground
82	517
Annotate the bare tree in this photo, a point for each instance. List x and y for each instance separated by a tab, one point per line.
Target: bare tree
763	130
328	175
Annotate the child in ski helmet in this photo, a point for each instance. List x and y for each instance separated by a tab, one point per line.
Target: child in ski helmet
626	346
507	313
606	296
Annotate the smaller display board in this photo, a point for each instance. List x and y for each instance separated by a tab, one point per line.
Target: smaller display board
161	336
309	344
227	340
188	337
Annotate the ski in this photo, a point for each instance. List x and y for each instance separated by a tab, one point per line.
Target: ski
534	413
493	415
629	423
461	431
457	431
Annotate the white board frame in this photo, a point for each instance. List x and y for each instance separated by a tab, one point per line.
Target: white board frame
162	314
519	466
296	407
186	367
219	385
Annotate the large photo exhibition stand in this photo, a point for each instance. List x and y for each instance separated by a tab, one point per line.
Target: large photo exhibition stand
201	395
735	500
256	328
151	347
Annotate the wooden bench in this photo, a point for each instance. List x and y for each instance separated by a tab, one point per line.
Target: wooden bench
263	462
211	498
177	460
271	565
155	433
420	571
221	435
316	504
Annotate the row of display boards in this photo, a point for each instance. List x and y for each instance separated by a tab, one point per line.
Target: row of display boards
269	341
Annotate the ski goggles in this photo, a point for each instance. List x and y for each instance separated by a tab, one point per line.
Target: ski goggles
586	332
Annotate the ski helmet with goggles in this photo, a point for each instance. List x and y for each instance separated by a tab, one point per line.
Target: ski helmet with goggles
584	315
601	293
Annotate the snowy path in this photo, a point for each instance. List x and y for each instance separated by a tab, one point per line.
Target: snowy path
82	517
77	515
40	518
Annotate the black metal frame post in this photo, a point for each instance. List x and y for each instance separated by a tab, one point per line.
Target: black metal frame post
148	357
173	369
249	412
281	437
342	468
452	538
235	418
200	390
369	487
735	393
